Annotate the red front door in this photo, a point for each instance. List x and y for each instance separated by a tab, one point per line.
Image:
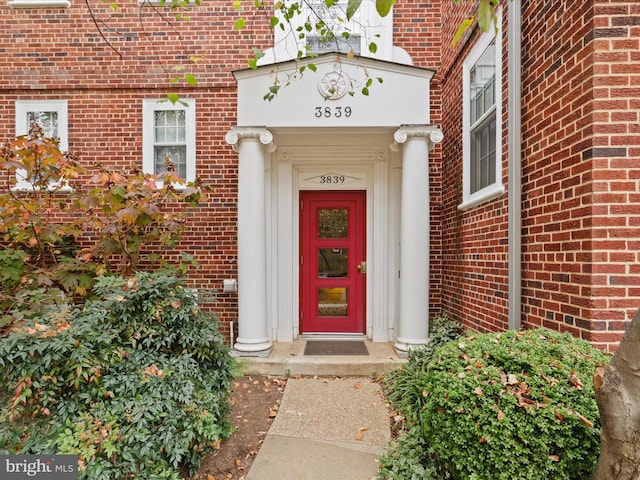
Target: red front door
332	262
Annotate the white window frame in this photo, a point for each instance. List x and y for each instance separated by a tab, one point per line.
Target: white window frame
496	188
371	27
23	108
39	3
353	26
149	107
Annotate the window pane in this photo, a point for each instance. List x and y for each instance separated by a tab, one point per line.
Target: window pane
332	223
170	126
332	262
489	93
339	44
492	152
332	302
482	84
160	126
483	155
176	154
47	120
344	35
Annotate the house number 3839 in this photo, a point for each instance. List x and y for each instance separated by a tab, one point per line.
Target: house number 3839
331	179
336	112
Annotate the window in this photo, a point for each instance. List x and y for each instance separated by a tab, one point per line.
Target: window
169	134
345	35
51	115
482	123
365	27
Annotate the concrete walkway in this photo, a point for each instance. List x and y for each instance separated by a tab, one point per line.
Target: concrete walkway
326	429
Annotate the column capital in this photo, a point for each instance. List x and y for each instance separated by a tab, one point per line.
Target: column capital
237	134
431	133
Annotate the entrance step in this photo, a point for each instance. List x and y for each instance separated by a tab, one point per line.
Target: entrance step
286	359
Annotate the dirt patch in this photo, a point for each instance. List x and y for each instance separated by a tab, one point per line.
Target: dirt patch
255	402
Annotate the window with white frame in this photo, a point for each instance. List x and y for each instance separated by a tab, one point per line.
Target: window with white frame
353	35
51	116
482	121
169	136
343	35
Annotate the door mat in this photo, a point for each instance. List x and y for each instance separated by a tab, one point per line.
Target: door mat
335	347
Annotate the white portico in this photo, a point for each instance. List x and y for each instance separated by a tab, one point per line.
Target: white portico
318	143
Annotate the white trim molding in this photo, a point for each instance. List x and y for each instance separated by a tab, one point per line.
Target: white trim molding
495	188
40	4
149	107
23	109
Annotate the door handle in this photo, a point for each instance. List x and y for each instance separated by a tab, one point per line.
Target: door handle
362	268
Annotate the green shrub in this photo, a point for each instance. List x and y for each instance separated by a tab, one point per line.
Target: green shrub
137	383
407	457
402	386
513	405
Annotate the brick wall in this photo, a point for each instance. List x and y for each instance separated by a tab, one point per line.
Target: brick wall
474	252
581	138
59	54
557	93
108	131
581	171
615	156
62	48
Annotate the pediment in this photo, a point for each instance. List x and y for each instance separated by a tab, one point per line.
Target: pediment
331	96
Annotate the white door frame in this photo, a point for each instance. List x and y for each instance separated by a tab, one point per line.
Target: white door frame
299	163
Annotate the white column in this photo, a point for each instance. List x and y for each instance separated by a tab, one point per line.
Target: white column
252	145
416	143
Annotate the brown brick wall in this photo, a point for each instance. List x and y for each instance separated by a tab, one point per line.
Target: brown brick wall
580	179
580	175
58	54
615	155
105	127
557	94
62	48
474	252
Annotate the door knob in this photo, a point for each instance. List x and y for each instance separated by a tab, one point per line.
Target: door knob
362	267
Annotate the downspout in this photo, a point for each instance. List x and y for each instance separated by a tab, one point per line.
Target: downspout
514	170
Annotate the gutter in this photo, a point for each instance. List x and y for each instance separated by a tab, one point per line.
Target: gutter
514	158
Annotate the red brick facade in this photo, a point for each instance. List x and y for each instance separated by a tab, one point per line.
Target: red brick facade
580	141
580	169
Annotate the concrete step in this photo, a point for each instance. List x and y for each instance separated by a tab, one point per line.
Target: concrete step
286	359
